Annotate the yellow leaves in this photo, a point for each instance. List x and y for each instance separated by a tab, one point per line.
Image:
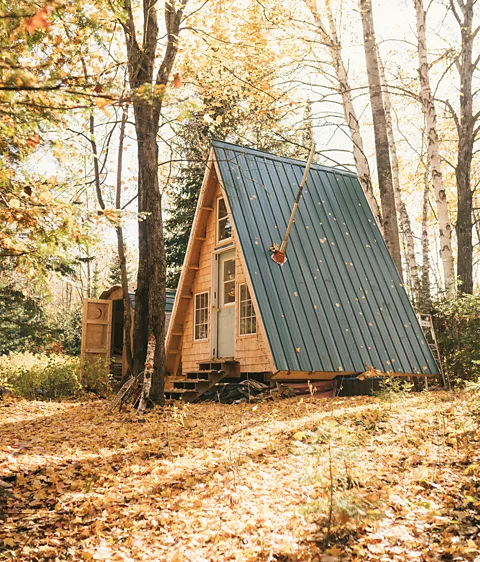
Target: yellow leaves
223	484
473	470
112	215
334	551
158	90
47	551
40	20
299	436
103	552
101	102
14	203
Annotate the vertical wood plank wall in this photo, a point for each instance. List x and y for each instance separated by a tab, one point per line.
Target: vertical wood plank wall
250	351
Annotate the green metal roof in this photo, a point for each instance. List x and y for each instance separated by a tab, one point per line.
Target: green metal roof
337	304
169	299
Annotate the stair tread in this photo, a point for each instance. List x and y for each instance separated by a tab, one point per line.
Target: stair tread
192	380
203	371
201	380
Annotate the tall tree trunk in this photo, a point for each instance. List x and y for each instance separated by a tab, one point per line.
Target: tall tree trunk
428	107
466	139
127	306
332	42
425	296
385	181
151	278
147	95
404	222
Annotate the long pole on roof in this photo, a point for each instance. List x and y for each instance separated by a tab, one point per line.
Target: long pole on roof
278	253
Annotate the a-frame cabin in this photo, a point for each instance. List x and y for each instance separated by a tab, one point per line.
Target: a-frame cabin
336	307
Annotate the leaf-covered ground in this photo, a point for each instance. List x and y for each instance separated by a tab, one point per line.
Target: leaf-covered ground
209	482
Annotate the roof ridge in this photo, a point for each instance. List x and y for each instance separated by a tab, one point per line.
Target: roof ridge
271	156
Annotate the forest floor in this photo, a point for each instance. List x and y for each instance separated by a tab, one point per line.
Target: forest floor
209	482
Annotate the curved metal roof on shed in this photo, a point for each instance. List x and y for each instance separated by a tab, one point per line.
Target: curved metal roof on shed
338	303
169	297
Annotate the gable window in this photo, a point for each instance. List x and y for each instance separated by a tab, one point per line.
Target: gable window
248	319
224	228
201	317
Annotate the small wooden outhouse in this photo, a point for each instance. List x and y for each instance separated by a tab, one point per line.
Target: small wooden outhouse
336	307
103	327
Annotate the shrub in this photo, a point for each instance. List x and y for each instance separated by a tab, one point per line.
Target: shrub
22	320
96	378
457	326
40	375
391	387
336	451
50	377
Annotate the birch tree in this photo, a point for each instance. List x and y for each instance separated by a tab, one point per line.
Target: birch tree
330	38
384	170
425	297
433	147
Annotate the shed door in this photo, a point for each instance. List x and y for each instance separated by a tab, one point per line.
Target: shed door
226	305
96	331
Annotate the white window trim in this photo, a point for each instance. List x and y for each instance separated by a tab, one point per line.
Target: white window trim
239	300
217	239
195	315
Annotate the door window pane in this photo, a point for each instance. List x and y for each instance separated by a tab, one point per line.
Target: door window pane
229	281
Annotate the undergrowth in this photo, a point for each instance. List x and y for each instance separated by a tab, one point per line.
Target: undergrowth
44	376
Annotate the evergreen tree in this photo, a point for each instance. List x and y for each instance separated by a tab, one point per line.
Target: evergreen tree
115	274
22	320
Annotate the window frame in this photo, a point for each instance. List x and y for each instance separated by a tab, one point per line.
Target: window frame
239	300
217	221
207	308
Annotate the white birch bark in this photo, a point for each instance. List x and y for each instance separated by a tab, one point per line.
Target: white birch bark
331	40
425	300
147	376
429	112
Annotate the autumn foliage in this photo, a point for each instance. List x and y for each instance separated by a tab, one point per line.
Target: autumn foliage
244	483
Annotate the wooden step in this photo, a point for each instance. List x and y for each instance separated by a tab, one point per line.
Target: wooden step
217	366
205	375
191	384
202	371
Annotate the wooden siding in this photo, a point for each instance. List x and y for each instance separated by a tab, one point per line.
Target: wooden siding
250	351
